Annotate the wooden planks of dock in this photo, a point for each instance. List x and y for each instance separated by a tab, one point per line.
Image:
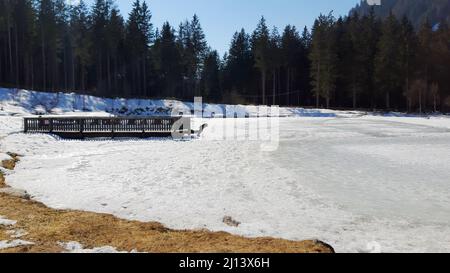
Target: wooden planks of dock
109	127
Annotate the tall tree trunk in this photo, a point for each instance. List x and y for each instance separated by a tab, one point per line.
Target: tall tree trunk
420	101
263	78
66	75
388	100
72	64
116	86
274	91
144	77
32	71
54	68
427	89
407	73
124	82
318	86
108	69
17	56
83	87
1	67
1	62
100	74
279	84
44	68
288	86
435	102
10	49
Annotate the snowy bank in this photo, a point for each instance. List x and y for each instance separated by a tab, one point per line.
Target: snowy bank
75	247
6	222
18	102
14	243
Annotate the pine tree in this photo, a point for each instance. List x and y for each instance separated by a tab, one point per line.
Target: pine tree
139	35
115	46
61	75
81	45
261	52
343	43
99	20
194	50
168	63
352	59
291	48
210	77
6	26
425	37
275	61
388	70
408	53
367	43
239	64
48	42
323	58
303	74
146	28
440	69
24	41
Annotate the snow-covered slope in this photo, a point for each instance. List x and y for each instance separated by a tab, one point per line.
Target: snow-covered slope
24	102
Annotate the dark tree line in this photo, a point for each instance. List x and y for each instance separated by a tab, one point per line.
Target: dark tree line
52	46
351	62
365	62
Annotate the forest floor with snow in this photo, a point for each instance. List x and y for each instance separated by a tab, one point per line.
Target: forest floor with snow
361	182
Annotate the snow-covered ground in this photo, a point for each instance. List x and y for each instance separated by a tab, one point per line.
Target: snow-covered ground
6	222
18	102
359	182
14	234
14	243
75	247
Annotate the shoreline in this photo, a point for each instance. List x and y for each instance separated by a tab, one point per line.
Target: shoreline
49	229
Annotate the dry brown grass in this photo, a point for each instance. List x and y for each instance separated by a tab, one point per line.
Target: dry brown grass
46	227
10	164
2	180
3	235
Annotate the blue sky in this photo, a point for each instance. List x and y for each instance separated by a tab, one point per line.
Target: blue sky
221	18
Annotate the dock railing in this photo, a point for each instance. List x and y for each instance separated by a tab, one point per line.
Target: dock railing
108	126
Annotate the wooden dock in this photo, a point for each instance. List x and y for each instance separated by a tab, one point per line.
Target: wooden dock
108	127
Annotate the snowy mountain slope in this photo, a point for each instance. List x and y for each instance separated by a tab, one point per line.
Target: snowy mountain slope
417	11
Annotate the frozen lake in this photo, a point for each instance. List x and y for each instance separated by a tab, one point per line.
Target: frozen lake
358	183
